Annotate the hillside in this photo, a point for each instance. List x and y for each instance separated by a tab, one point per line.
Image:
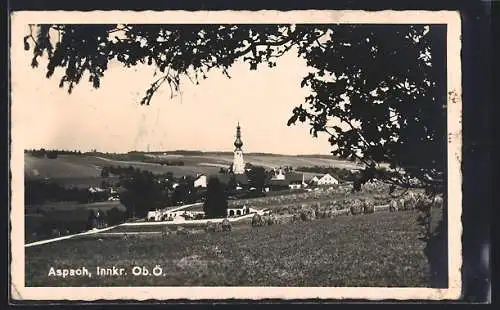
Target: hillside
86	169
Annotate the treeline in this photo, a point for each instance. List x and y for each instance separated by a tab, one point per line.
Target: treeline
145	191
54	223
131	156
140	157
41	153
107	171
318	156
164	162
339	173
185	152
41	192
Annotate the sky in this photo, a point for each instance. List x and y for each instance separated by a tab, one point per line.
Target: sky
202	117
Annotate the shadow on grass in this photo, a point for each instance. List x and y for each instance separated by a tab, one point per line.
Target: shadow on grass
436	251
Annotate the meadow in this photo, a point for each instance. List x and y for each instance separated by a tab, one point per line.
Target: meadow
379	249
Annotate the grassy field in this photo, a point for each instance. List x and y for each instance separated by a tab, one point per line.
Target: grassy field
380	249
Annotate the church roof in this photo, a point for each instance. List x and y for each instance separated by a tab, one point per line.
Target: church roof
290	178
238	143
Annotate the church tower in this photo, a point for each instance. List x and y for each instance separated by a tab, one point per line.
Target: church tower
238	163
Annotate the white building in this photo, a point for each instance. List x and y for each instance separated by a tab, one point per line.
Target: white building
238	211
298	184
238	162
200	181
327	179
278	174
154	215
314	180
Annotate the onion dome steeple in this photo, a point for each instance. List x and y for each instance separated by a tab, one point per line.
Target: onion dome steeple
238	143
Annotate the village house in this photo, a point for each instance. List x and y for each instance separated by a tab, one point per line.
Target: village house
240	180
289	180
295	185
278	174
200	181
324	180
238	211
314	180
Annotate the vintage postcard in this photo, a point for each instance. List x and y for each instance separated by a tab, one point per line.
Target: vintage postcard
235	155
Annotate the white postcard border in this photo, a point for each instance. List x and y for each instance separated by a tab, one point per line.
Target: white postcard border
19	292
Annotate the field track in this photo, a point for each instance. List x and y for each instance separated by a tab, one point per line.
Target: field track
90	232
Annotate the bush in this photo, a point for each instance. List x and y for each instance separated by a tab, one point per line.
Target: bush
210	226
218	227
438	202
424	204
257	220
307	214
226	225
322	214
51	155
393	205
272	219
114	216
368	207
356	208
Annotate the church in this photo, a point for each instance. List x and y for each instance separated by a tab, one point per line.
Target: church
238	162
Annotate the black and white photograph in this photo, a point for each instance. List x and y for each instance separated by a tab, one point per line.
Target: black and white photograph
235	155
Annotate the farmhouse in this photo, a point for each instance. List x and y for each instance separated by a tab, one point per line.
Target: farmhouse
181	215
95	189
200	181
327	179
240	180
278	174
314	180
289	180
295	185
238	211
154	215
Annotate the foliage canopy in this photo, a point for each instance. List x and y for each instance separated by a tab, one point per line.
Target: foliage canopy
379	92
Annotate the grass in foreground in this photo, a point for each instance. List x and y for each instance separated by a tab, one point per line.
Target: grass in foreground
380	249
